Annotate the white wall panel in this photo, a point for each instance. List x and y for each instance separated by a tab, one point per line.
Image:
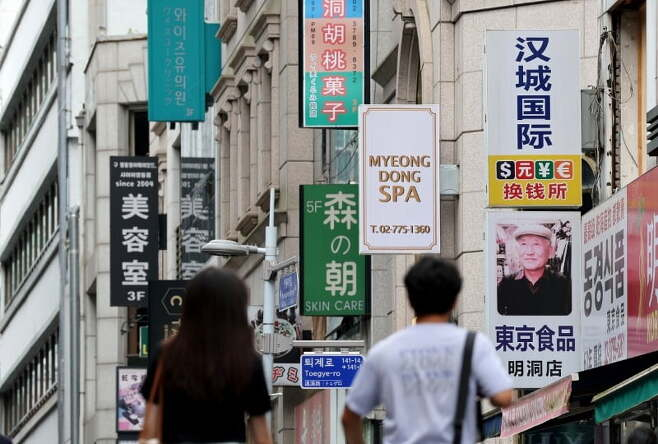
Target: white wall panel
36	165
45	431
19	52
30	320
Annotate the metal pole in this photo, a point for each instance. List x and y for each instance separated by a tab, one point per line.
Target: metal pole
75	325
268	293
62	182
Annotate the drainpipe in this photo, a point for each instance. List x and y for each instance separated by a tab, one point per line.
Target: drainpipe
63	389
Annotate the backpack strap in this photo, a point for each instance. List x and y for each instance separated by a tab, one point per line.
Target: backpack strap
462	394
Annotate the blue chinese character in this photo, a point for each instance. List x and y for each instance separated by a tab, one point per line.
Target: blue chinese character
534	78
533	107
504	337
545	338
525	338
535	52
535	135
566	340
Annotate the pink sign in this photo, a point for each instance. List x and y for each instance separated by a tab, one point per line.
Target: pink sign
643	264
536	408
312	420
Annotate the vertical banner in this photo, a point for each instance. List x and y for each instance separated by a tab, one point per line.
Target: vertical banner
643	264
532	120
313	419
399	179
165	310
176	55
604	290
130	402
133	228
333	52
197	217
334	277
533	293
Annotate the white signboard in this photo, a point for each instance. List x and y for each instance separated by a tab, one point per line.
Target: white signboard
532	120
533	293
604	315
533	94
399	179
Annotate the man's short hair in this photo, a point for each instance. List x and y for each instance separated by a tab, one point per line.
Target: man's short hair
432	285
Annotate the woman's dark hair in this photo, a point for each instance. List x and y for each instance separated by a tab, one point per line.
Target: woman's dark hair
432	285
213	350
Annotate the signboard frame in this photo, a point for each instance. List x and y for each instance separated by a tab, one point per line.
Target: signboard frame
127	187
302	258
401	182
323	356
140	372
365	4
159	318
532	117
536	348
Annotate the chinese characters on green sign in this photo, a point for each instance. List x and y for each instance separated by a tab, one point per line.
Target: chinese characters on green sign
334	275
334	50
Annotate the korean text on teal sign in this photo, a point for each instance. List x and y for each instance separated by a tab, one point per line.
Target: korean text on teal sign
334	277
176	60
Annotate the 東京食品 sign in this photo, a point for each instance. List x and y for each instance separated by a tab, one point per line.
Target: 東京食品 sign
334	277
133	228
533	118
333	54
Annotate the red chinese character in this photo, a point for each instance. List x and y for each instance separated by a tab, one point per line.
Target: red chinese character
535	191
525	169
334	108
557	191
333	8
333	59
563	169
333	86
333	34
292	374
512	191
277	372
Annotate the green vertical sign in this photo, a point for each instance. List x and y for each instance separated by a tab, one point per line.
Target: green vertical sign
176	55
334	277
213	50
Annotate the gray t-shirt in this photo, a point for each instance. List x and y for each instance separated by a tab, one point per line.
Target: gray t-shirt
414	374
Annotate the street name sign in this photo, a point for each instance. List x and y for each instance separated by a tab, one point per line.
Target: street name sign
329	370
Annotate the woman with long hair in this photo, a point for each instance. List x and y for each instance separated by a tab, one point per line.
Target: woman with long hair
210	374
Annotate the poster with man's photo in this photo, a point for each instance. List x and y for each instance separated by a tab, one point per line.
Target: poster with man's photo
533	293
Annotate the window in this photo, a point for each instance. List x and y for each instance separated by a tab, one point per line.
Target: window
33	385
40	80
31	243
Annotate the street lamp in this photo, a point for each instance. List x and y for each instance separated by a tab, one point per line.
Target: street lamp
223	247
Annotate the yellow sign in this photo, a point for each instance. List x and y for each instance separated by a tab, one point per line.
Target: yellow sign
535	181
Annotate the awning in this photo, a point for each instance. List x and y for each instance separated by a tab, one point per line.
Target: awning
536	408
626	395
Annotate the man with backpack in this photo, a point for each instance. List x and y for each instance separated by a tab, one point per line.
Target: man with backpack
419	374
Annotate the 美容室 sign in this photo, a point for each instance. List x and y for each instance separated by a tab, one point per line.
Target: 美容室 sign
532	120
399	179
334	277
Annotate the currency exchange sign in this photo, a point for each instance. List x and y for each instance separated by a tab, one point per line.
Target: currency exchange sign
334	277
133	229
176	56
533	118
333	53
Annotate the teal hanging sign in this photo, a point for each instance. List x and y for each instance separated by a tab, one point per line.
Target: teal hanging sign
334	50
176	58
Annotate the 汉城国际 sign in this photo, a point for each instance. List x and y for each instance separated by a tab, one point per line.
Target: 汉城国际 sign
399	179
532	120
133	228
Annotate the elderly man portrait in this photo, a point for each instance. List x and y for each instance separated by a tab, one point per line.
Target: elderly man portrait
535	290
